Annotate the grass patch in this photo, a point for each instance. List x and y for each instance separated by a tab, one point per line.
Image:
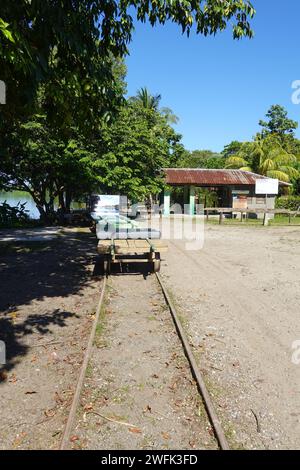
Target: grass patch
89	370
235	222
99	340
279	219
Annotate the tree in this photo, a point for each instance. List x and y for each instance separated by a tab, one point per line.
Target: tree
266	156
147	100
170	117
135	147
57	58
38	161
202	159
232	148
274	152
49	159
278	123
52	41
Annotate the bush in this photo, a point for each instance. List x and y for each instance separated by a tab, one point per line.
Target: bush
291	203
13	216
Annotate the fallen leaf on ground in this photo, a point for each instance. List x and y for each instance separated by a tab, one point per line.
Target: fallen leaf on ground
13	378
165	435
58	398
178	403
88	406
135	430
148	408
49	413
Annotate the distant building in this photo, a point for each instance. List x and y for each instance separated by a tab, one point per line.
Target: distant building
231	188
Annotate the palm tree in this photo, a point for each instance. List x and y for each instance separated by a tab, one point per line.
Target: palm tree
267	157
147	100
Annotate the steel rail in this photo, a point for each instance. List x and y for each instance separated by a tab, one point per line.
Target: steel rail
214	420
65	440
213	417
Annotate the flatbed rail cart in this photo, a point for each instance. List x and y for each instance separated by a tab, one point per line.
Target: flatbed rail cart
128	251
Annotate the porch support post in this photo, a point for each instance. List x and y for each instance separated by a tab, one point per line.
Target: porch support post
185	195
192	200
167	195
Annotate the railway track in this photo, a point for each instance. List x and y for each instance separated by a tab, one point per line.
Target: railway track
202	389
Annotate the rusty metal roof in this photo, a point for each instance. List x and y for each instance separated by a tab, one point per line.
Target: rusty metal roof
207	177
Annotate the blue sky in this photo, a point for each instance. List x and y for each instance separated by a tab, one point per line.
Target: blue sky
220	88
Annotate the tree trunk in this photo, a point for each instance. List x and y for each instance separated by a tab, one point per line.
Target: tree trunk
44	208
62	204
68	201
42	212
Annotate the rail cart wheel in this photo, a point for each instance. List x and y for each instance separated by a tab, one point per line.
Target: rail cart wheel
156	265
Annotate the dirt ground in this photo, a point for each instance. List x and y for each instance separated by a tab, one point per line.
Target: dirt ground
139	392
48	298
240	298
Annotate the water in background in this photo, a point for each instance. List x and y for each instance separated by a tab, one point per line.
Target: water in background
12	198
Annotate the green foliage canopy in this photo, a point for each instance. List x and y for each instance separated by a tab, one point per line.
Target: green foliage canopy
66	43
134	148
266	157
278	122
38	161
201	159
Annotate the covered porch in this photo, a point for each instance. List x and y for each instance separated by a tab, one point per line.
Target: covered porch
187	188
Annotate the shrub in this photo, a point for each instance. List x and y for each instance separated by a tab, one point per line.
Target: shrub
11	216
291	203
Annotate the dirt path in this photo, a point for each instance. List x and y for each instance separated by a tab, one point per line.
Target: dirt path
240	298
139	375
47	303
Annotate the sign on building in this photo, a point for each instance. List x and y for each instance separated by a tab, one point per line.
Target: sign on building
266	186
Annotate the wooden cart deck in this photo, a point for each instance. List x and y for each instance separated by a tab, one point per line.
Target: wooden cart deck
118	251
130	247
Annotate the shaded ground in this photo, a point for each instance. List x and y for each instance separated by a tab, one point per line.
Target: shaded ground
47	301
240	298
138	375
30	234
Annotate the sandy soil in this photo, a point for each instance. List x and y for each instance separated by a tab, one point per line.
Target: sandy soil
47	304
240	299
139	375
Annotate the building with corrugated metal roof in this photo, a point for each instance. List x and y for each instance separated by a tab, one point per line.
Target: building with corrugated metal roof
231	188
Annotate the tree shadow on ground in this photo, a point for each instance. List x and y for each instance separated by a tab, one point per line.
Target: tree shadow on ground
13	335
36	272
33	271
